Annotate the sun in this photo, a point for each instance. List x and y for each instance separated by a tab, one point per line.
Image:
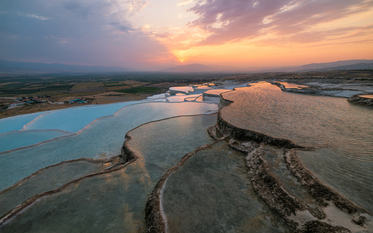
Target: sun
181	61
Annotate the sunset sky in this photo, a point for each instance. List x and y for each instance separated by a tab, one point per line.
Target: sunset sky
156	34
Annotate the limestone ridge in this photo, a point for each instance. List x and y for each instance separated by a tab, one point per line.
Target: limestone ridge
270	189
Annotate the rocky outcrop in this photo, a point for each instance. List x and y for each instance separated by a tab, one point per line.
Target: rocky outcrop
360	100
126	153
317	226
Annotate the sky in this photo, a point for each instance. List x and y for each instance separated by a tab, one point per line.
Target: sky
156	34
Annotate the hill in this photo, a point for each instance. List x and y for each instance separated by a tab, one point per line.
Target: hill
338	65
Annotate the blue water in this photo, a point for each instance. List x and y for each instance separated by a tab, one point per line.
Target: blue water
17	122
17	139
50	124
75	119
103	138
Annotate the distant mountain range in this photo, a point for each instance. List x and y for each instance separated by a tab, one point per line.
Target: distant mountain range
338	65
197	68
33	67
360	66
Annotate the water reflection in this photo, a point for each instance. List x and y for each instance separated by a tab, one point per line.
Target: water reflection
367	96
343	130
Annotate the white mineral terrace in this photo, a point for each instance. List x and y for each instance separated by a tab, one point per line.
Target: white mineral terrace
103	193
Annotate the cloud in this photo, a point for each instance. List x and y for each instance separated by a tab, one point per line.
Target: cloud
335	36
92	32
247	19
37	17
185	3
122	27
137	5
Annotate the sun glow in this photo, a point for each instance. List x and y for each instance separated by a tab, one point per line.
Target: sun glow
320	42
181	55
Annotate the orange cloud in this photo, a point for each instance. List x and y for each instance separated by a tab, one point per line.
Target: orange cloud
240	20
282	32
